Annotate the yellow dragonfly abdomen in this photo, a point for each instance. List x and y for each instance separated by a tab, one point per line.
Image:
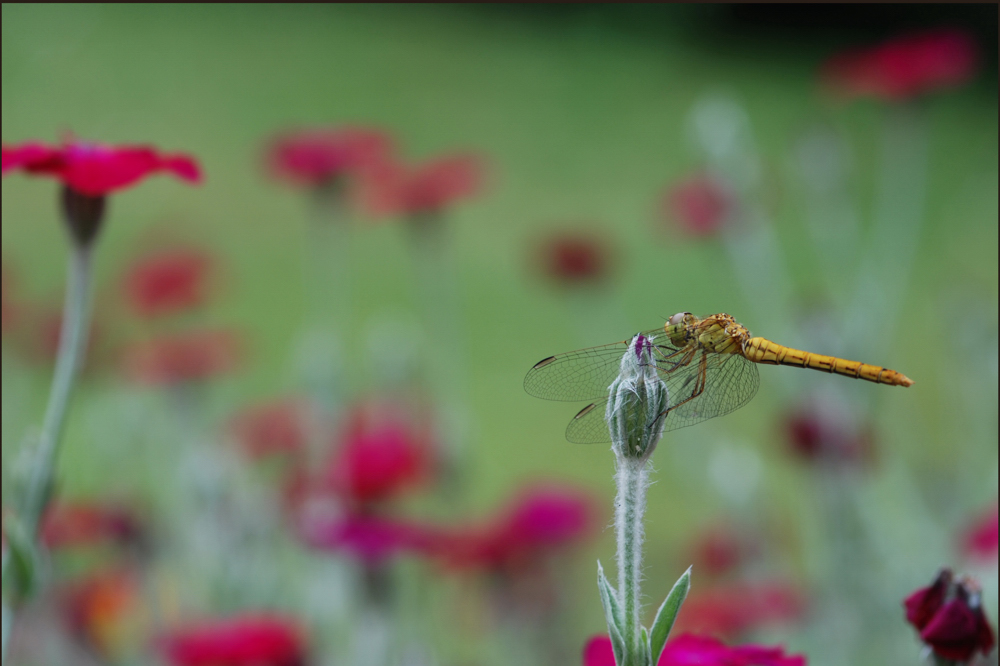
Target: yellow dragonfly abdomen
762	350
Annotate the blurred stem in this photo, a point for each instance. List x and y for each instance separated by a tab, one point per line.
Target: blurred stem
632	479
72	342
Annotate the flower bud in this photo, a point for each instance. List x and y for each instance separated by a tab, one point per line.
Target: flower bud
638	402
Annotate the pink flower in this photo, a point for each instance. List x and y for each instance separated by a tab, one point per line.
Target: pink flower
950	618
391	188
96	170
69	525
190	356
729	611
575	258
368	538
720	549
700	205
381	456
274	428
541	521
689	650
815	436
317	157
167	281
980	539
244	640
904	67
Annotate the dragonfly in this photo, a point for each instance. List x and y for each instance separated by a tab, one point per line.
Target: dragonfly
709	366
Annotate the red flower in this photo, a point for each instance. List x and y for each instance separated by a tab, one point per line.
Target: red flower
96	170
730	611
390	188
949	616
100	608
381	456
541	521
245	640
368	538
816	436
905	67
84	524
980	540
575	258
319	156
721	549
167	281
689	650
191	356
700	205
274	428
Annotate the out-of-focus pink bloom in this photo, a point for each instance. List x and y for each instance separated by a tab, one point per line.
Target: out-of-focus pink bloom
980	539
720	549
382	455
816	437
690	650
390	188
96	170
905	67
317	157
574	258
368	538
699	205
541	521
245	640
70	525
729	611
949	617
184	357
101	608
274	428
167	281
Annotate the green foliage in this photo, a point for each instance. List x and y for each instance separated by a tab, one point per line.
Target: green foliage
667	615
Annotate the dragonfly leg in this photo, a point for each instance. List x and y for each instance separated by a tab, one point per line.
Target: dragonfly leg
699	386
688	355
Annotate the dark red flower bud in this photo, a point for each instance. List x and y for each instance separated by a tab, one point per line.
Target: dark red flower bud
950	618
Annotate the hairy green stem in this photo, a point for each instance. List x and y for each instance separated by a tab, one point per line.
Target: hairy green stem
633	480
72	343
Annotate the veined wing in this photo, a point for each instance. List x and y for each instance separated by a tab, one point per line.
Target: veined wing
586	374
730	382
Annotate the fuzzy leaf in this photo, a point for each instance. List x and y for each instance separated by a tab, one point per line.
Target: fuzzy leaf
667	615
612	614
646	651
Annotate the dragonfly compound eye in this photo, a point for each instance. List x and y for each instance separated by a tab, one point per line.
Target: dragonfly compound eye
678	318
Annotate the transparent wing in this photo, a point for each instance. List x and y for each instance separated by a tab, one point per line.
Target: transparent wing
586	374
730	381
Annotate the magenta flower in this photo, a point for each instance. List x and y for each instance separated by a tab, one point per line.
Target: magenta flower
950	619
368	538
904	67
317	157
722	548
168	281
391	188
816	437
690	650
245	640
699	205
731	610
274	428
980	540
183	357
573	258
96	170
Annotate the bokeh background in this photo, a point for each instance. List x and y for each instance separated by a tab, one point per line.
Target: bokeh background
589	120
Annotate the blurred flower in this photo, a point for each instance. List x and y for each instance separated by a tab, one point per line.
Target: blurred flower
316	157
70	525
720	549
573	258
167	281
815	436
391	188
980	540
690	650
904	67
244	640
274	428
700	205
541	521
729	611
96	170
190	356
382	454
370	539
103	609
950	618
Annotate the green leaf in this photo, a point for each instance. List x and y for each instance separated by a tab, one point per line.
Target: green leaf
647	653
667	614
23	571
612	614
